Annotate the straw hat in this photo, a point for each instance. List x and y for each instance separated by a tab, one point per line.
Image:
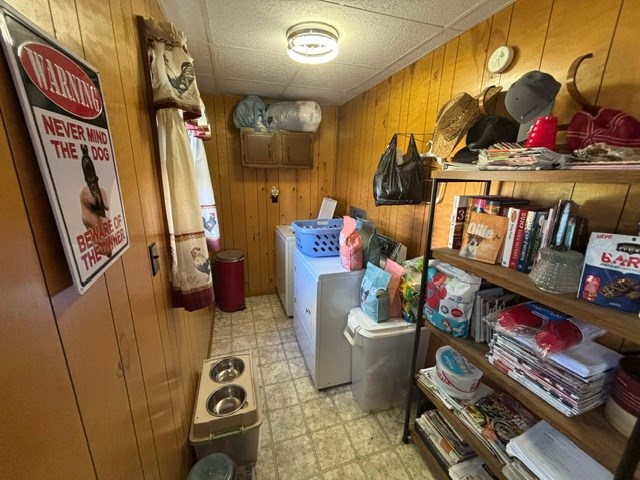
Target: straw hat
457	116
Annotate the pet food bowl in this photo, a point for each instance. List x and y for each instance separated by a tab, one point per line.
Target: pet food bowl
227	370
226	400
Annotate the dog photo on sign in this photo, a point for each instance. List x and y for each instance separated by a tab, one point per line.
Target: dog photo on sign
483	237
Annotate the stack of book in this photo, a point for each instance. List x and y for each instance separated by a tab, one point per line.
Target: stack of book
463	205
442	439
531	229
573	381
497	419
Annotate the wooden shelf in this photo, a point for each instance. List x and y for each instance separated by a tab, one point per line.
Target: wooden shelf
435	467
487	455
625	324
625	177
590	431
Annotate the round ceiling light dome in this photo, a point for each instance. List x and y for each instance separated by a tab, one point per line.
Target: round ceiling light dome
312	42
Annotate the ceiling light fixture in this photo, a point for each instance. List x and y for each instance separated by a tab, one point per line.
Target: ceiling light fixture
312	42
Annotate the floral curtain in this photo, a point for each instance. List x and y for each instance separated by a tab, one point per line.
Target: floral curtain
176	98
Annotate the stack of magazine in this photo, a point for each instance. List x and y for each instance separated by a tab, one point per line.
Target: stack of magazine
495	420
442	439
573	381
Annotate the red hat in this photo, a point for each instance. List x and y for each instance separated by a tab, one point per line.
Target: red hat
609	126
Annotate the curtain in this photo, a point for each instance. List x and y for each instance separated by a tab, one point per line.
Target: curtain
208	208
176	98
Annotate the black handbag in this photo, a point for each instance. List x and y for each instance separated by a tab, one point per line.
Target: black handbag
395	184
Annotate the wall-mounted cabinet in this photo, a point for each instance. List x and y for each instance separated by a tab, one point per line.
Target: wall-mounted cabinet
280	149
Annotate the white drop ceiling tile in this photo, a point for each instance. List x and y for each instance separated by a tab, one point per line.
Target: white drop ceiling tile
331	76
241	63
320	95
206	83
476	15
248	87
201	58
188	17
433	12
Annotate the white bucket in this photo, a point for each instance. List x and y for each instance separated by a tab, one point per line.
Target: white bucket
455	374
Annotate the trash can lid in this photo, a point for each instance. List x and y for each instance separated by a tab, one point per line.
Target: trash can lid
215	466
229	256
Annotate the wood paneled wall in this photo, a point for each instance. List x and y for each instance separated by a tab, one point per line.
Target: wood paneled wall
547	35
100	385
243	195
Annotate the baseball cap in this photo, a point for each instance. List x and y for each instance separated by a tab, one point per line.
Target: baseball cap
530	95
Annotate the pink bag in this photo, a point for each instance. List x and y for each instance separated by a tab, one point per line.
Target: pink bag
351	252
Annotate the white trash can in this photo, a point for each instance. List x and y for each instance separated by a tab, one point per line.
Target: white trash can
381	359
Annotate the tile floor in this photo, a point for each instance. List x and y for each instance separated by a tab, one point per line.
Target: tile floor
306	433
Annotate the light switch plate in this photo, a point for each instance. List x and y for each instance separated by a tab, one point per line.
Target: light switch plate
153	256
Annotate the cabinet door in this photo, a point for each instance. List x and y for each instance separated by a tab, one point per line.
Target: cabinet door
296	149
257	149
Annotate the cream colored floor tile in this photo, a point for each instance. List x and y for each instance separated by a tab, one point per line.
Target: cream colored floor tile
392	422
348	408
319	414
266	465
266	435
366	435
280	395
264	313
413	462
271	354
306	389
384	466
241	344
332	447
298	367
265	325
222	319
295	459
275	373
221	346
278	311
268	338
292	350
287	423
339	389
284	322
351	471
223	331
288	335
242	329
241	317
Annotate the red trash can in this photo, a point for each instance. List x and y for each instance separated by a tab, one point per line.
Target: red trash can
229	280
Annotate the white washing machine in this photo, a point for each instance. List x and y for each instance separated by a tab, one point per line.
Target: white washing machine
325	292
285	245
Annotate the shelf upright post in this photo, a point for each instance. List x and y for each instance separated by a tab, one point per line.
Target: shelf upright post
423	287
423	283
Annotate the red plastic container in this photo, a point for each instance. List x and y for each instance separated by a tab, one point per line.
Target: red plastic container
228	280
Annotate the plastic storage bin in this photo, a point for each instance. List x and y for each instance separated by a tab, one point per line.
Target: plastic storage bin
381	359
318	238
